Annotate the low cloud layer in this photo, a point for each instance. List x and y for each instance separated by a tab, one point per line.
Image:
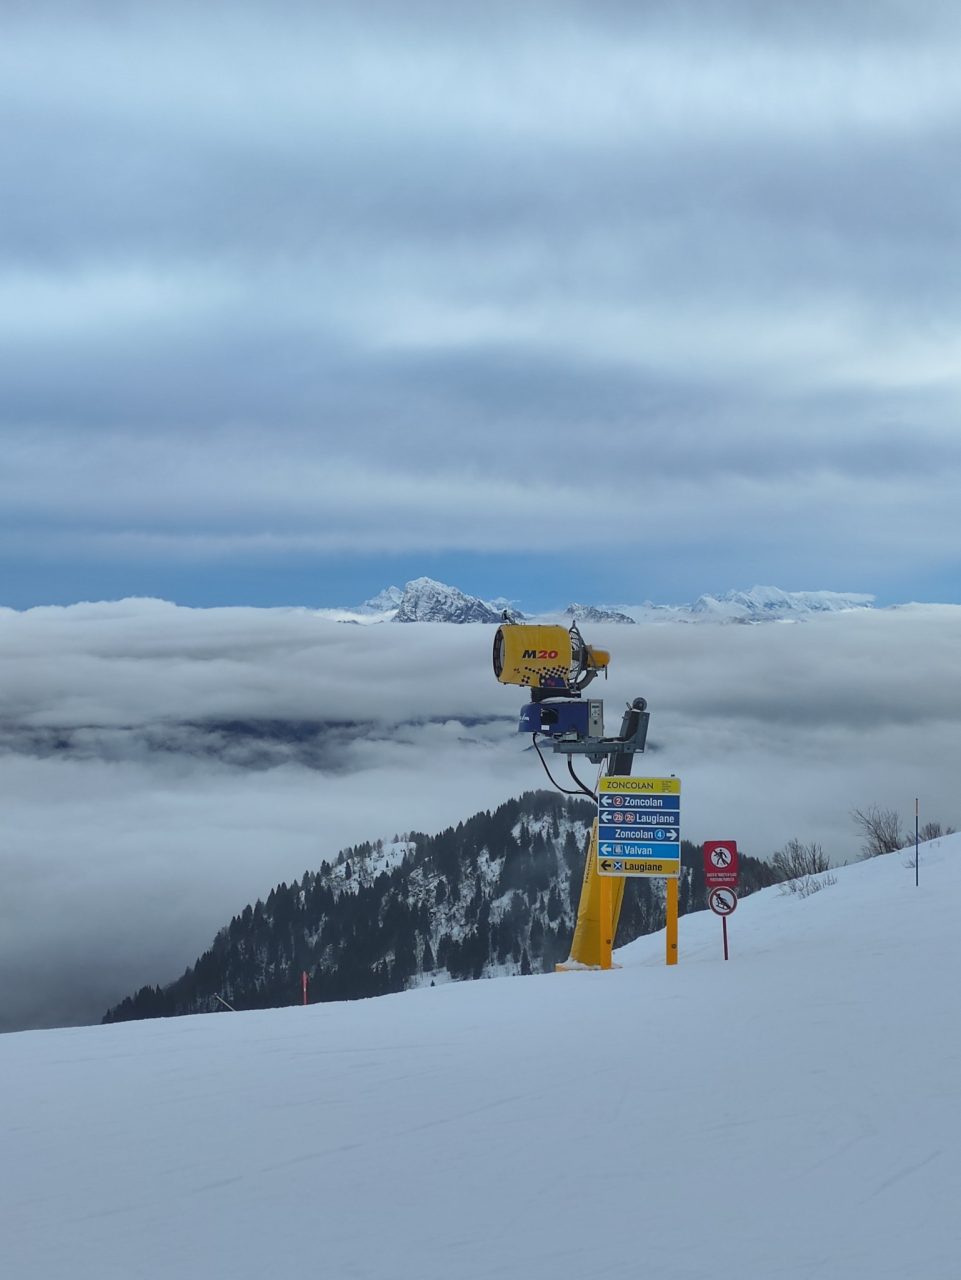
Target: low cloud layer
161	767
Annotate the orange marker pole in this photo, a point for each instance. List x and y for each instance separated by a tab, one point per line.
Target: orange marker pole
671	931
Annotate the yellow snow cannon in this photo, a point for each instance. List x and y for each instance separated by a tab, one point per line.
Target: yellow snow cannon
546	657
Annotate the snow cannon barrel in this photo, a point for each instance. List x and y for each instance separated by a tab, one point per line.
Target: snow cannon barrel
546	657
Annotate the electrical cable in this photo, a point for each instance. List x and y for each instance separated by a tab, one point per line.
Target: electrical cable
557	786
587	791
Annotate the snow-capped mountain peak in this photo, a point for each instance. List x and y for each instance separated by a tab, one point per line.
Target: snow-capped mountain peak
425	600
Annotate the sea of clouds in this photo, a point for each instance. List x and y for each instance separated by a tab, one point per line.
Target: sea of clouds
160	767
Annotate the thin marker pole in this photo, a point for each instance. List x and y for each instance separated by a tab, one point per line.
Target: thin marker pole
724	928
606	955
916	859
671	930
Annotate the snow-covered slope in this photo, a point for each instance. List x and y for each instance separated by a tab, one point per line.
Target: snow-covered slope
790	1114
385	601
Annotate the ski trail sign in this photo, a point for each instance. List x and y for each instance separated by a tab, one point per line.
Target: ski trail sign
639	827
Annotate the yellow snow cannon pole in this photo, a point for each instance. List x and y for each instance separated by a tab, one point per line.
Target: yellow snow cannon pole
598	912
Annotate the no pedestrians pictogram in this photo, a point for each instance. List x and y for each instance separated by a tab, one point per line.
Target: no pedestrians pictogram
720	862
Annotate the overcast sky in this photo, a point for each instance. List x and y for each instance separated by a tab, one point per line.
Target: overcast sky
554	301
160	768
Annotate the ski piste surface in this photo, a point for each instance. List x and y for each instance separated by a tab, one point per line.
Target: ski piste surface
786	1115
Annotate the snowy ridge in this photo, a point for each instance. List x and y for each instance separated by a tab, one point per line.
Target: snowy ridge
815	1069
760	604
367	864
763	603
425	600
591	613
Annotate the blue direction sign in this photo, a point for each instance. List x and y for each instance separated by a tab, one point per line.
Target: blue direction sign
639	826
608	802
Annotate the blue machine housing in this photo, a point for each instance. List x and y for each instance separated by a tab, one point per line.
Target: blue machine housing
555	716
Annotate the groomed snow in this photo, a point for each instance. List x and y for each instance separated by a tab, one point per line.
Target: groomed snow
790	1114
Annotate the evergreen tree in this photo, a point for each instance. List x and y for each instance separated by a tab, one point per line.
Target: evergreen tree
555	908
536	938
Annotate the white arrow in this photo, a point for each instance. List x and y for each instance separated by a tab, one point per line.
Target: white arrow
606	848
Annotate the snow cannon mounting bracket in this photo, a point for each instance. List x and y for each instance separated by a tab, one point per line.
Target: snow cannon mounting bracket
577	728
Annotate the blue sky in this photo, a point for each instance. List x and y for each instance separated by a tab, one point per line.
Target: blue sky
596	302
552	582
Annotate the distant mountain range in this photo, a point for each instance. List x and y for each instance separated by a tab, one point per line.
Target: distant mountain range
424	600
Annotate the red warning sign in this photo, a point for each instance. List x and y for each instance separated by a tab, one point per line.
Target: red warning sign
720	862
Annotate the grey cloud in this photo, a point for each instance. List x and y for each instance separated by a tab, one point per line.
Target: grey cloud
362	131
783	506
267	283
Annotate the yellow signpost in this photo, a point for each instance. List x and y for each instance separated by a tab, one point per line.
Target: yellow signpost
637	834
